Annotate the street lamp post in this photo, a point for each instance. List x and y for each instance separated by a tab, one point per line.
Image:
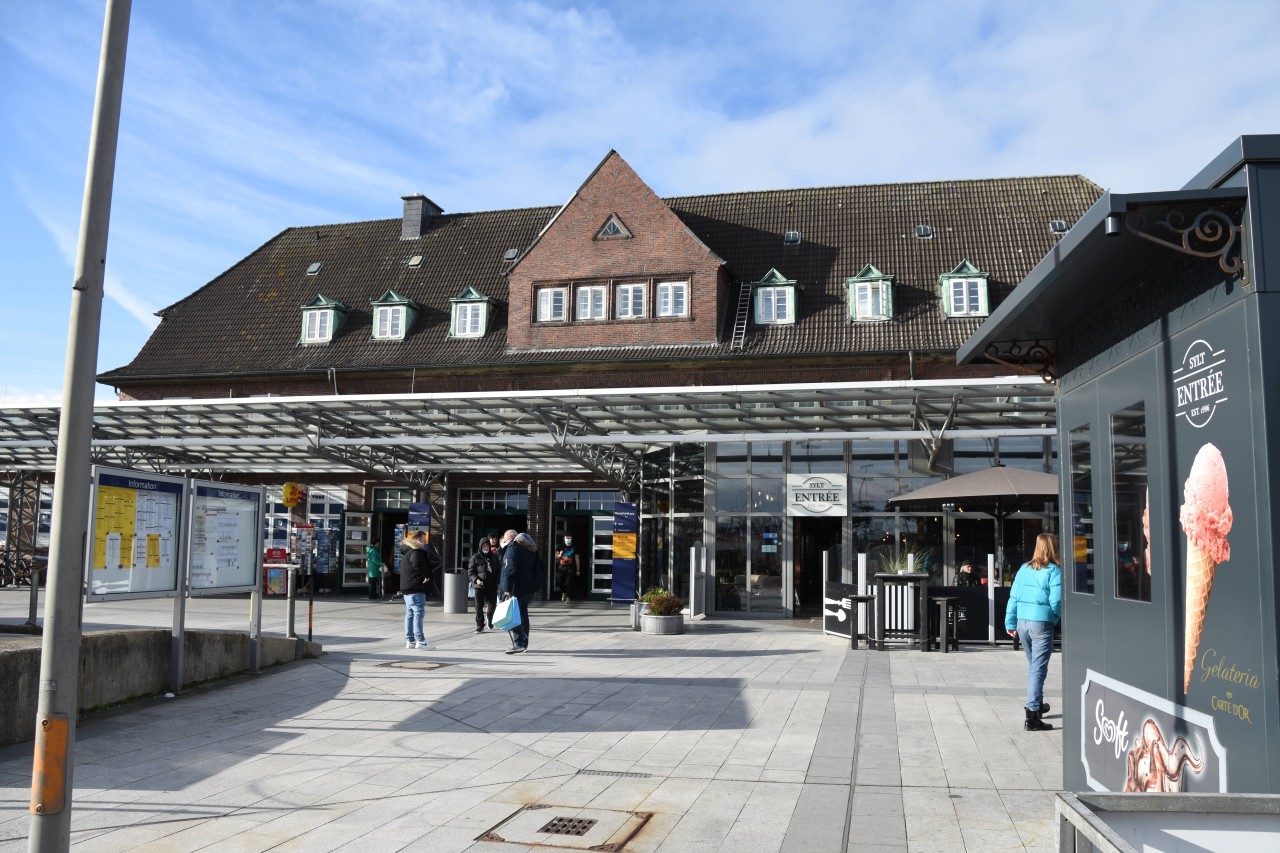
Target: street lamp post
51	777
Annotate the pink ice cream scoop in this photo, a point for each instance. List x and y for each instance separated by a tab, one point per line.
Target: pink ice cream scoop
1206	514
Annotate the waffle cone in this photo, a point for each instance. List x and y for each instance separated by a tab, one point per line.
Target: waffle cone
1200	569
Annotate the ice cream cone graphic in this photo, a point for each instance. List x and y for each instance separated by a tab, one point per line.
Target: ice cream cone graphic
1206	519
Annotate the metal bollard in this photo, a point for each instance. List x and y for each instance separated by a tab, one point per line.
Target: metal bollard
292	601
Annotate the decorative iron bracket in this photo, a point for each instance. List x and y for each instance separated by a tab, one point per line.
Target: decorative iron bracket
1202	233
1034	357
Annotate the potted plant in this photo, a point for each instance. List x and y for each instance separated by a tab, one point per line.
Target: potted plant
641	605
665	615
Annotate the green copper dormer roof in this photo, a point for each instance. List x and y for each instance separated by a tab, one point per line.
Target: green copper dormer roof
870	273
322	301
470	294
393	298
773	277
964	269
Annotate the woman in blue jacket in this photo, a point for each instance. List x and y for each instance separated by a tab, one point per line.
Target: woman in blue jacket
1035	605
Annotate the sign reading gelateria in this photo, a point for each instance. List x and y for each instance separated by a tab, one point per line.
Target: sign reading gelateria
817	495
1134	741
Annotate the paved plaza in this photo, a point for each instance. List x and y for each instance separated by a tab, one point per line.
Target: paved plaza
738	735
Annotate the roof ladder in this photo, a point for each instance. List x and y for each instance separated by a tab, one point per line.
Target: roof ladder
741	317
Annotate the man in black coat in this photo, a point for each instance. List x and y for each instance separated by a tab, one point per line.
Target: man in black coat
521	577
482	571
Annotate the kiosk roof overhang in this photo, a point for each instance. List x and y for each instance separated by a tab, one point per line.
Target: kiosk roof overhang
1113	242
602	430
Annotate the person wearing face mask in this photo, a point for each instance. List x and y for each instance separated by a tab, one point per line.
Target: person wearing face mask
568	567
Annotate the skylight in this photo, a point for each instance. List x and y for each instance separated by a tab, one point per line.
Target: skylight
1057	226
510	254
315	268
415	261
791	238
924	232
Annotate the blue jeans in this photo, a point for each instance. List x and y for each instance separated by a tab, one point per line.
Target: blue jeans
415	604
520	634
1037	642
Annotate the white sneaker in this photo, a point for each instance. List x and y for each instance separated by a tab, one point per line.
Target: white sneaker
408	644
425	646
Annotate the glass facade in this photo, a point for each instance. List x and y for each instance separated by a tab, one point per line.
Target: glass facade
730	499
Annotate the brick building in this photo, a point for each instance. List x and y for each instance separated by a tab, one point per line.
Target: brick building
818	325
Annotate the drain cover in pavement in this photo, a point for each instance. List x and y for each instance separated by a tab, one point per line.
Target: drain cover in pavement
567	828
412	664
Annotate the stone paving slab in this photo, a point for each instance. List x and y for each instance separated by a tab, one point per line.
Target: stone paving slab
739	735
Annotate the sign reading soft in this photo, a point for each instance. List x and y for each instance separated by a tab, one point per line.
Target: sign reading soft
817	495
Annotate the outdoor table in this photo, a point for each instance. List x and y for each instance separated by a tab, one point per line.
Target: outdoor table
860	603
947	628
907	580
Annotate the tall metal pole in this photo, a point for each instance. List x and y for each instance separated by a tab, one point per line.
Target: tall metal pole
51	778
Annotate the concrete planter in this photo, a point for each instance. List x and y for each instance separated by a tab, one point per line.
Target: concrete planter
638	609
662	624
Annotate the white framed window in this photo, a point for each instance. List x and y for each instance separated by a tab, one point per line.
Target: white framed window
774	305
630	301
468	319
551	304
591	303
965	297
673	299
872	300
388	322
317	325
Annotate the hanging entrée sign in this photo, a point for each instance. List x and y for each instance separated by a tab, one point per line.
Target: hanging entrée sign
226	538
817	495
135	535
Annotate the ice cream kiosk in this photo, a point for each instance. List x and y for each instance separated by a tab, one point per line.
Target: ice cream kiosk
1158	318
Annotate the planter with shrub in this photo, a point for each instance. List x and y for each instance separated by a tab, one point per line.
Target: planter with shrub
665	614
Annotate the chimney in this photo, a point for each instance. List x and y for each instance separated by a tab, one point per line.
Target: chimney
418	211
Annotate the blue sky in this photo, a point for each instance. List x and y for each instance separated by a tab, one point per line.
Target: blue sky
242	118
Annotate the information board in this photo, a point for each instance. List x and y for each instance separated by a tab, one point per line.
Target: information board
135	534
226	538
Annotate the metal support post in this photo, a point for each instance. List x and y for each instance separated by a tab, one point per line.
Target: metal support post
51	782
291	602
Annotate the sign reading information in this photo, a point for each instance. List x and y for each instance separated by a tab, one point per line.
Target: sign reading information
135	535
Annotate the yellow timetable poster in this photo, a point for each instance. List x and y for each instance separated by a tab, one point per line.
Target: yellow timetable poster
135	523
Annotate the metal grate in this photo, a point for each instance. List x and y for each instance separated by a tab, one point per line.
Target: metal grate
615	773
568	826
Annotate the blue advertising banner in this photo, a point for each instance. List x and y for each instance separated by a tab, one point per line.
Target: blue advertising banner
419	516
626	529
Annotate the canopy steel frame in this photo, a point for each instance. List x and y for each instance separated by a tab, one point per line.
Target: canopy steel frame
417	438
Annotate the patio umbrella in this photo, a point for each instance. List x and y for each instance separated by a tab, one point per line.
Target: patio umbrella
1001	490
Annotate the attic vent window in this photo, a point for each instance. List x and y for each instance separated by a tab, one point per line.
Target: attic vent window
315	268
924	232
415	261
510	254
613	230
791	238
1057	226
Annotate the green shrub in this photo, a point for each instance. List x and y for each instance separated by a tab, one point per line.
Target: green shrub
652	592
665	604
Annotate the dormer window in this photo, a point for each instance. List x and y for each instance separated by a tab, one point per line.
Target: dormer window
964	291
630	300
470	314
613	229
673	299
870	295
775	299
393	314
321	318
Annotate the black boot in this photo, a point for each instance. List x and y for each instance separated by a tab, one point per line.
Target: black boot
1044	707
1033	722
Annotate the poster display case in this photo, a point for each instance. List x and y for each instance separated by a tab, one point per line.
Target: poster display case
136	532
226	538
359	526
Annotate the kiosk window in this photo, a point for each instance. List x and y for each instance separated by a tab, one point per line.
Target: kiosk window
1081	462
1129	498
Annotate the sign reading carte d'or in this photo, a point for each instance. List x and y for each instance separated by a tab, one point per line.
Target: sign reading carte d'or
817	495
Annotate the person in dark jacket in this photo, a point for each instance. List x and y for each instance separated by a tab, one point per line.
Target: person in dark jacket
483	574
521	576
415	573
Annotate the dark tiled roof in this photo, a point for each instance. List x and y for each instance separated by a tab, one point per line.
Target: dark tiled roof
247	321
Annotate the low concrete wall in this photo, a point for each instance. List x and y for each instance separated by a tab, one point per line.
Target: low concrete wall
116	666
